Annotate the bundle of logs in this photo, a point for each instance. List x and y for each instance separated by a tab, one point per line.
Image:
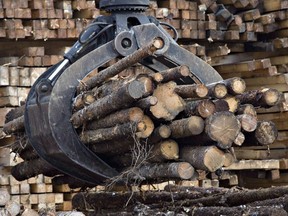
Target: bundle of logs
185	200
153	127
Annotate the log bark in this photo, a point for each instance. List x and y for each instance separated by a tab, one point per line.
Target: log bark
16	125
124	63
28	169
203	108
175	73
248	122
239	211
281	201
72	182
264	98
113	133
133	114
217	90
167	109
192	91
180	170
15	113
117	100
186	127
164	151
208	158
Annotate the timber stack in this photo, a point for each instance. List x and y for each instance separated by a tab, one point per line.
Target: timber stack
239	38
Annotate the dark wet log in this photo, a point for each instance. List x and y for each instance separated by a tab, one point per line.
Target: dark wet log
16	125
247	109
164	151
186	127
133	114
112	200
160	133
83	100
167	109
248	122
176	73
120	99
208	158
15	113
28	169
180	170
122	64
188	189
281	201
147	102
203	108
192	91
235	86
265	134
264	98
221	105
240	210
217	90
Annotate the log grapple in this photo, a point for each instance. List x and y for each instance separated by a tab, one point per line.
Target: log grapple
125	33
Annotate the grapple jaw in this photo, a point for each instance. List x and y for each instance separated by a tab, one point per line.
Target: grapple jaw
49	104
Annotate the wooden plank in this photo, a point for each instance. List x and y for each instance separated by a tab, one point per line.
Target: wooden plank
254	164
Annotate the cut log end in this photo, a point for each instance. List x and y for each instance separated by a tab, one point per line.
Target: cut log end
170	150
248	122
266	132
236	86
223	127
271	96
214	159
185	170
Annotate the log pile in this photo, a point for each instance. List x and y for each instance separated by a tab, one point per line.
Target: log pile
186	200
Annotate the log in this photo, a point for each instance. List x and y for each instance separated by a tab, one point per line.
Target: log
240	139
133	114
70	213
117	100
186	127
29	212
167	109
217	90
208	158
248	122
180	170
235	86
113	133
266	132
223	128
246	109
233	103
16	125
83	100
261	98
72	182
174	74
203	108
239	211
160	133
192	91
163	151
124	63
221	105
229	159
281	201
146	103
15	113
28	169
